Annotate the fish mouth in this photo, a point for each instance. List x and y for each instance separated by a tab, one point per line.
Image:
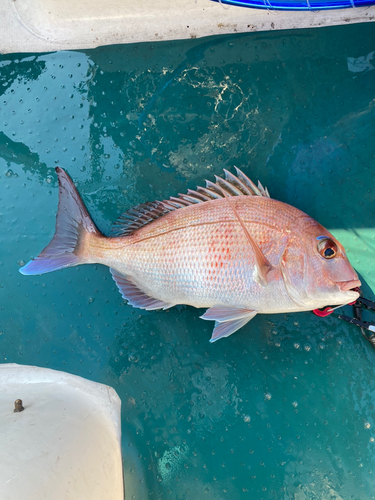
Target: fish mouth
345	286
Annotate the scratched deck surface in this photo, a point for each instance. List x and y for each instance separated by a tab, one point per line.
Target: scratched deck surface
285	407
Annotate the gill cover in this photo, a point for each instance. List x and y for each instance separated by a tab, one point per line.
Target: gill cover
294	269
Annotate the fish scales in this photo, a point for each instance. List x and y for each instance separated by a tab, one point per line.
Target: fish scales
199	255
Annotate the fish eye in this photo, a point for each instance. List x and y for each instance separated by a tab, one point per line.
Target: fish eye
327	248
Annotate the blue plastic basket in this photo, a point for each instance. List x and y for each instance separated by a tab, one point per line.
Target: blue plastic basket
299	4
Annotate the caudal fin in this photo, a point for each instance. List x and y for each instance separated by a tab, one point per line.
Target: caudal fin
73	225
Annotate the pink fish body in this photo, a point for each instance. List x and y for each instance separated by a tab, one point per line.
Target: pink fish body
228	247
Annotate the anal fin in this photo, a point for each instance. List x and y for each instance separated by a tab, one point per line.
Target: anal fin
135	297
227	320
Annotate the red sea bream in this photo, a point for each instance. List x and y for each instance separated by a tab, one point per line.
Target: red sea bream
227	247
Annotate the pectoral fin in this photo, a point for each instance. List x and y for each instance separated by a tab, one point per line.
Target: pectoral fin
262	264
227	320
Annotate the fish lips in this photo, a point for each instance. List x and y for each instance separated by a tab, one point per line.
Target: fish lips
346	286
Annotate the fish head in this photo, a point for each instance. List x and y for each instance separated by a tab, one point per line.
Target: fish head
315	267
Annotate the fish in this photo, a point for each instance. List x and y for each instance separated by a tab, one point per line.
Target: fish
227	247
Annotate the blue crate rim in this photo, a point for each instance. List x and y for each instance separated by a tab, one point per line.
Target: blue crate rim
299	5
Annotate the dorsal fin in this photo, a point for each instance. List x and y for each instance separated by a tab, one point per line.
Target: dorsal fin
232	185
145	213
139	216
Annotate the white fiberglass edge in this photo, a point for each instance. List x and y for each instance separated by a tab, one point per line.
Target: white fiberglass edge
48	25
66	441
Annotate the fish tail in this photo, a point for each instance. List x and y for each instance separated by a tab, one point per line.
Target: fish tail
74	228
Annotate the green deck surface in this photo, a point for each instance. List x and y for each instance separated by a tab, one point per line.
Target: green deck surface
282	409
